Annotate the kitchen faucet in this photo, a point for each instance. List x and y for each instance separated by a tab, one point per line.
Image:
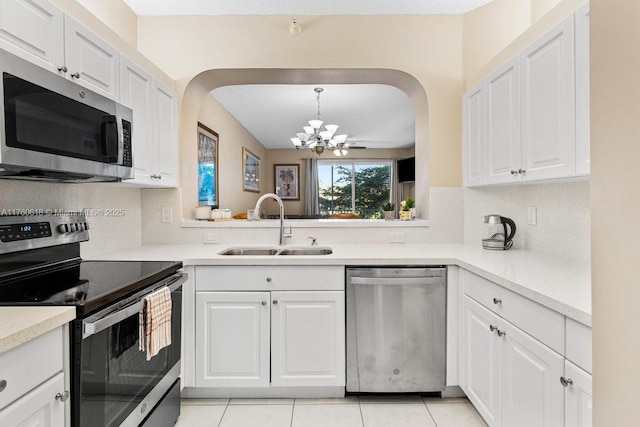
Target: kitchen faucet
256	214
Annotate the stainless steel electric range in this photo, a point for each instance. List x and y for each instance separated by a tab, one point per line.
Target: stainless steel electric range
112	383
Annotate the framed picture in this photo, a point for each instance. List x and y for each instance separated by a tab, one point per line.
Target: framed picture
207	167
287	181
250	171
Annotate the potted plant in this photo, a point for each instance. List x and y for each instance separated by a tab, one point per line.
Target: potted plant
389	211
407	209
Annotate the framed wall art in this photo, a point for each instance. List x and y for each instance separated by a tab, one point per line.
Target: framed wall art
287	181
250	171
208	141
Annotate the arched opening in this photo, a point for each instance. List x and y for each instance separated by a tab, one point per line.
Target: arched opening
201	85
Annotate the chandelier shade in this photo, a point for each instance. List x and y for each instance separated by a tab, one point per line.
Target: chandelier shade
319	137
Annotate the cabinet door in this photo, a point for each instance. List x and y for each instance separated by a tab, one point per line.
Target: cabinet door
473	144
91	62
548	105
532	395
136	92
583	133
307	338
232	341
166	135
503	124
578	404
480	356
33	30
38	408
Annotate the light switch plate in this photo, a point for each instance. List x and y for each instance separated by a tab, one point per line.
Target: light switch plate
532	215
210	238
396	237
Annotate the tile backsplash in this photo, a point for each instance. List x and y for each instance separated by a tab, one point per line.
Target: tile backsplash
115	214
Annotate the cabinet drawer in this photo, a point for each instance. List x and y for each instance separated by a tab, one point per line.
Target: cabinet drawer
269	278
538	321
26	366
579	344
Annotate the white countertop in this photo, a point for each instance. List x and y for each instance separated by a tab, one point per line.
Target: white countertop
561	285
21	324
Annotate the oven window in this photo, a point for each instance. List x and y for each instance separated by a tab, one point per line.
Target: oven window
38	119
115	376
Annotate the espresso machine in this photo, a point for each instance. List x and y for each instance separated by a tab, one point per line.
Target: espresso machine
498	232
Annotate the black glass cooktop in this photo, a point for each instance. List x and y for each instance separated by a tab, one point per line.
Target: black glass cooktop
88	285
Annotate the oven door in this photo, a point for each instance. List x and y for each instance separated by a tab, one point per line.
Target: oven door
113	383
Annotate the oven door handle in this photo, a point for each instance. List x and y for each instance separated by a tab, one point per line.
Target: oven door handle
93	327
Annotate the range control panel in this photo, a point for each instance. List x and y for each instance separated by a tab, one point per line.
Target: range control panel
18	233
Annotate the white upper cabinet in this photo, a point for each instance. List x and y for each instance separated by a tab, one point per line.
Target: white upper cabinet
136	92
33	30
474	109
548	105
165	104
534	118
503	124
90	61
583	133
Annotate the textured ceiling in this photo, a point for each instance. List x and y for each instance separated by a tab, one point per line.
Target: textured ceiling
374	116
303	7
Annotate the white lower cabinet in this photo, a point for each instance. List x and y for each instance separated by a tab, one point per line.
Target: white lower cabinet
270	339
38	408
578	404
511	378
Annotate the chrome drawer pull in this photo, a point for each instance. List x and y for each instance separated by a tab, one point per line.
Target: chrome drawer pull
3	385
62	397
501	333
566	381
497	301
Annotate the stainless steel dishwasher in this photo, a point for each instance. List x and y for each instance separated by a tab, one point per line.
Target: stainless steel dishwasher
396	329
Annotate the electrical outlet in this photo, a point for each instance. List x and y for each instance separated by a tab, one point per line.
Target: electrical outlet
167	214
210	238
532	215
396	237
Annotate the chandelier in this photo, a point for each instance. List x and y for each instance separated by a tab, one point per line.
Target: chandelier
319	137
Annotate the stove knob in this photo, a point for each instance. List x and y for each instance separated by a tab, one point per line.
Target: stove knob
86	225
80	227
62	228
72	228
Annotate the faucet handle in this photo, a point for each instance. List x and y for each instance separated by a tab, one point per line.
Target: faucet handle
313	240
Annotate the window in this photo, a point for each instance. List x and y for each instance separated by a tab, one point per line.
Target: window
359	187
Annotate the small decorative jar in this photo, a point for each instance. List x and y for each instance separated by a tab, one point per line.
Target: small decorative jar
405	215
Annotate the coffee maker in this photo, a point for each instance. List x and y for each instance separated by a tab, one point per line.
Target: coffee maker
499	232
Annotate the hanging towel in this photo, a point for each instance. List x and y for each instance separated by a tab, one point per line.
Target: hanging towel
155	322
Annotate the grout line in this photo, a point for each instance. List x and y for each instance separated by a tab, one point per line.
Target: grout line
224	412
293	407
360	409
429	412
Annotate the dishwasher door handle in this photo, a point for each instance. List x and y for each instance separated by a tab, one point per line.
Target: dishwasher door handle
396	281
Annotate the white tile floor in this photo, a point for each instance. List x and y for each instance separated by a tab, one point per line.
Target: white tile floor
364	411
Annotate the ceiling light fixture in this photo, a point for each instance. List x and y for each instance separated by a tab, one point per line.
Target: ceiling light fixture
295	28
319	137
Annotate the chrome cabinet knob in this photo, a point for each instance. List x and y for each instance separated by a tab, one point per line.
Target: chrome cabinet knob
493	328
275	302
62	397
497	301
63	69
566	381
501	333
3	385
269	279
75	75
263	303
522	171
514	172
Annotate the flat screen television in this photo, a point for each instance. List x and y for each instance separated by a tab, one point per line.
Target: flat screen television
407	170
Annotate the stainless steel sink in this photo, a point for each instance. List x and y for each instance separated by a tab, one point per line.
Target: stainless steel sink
255	251
250	251
306	251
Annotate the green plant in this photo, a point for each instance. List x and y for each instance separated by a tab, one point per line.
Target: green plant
388	206
407	204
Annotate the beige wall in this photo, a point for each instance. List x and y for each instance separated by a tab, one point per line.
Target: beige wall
495	33
615	207
117	15
426	47
233	136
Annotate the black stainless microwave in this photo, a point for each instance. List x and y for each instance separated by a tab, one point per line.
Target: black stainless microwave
54	129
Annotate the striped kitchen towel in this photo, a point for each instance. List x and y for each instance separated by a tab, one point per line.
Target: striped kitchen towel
155	322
